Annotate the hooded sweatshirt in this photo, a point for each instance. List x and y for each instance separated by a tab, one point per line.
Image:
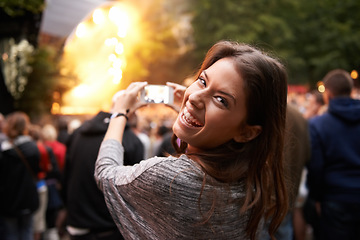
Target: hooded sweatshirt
334	169
84	201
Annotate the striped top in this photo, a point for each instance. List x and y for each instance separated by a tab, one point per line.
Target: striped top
162	198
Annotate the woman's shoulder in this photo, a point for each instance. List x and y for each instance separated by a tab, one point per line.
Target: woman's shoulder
179	175
164	168
168	163
175	164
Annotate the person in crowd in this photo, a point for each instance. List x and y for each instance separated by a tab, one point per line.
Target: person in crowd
144	138
334	169
2	138
315	104
165	147
50	135
55	205
228	178
19	167
2	123
62	129
50	200
304	211
73	125
45	166
163	142
87	214
297	154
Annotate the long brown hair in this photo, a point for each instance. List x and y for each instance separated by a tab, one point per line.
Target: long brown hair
259	162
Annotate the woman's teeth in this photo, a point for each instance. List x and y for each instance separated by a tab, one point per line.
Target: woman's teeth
190	119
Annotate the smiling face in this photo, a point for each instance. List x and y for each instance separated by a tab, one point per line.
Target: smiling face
214	109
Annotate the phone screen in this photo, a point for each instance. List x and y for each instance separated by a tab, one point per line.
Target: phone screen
157	94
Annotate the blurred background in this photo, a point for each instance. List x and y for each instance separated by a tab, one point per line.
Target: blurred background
68	58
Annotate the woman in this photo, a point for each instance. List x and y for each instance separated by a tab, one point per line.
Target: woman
229	178
19	167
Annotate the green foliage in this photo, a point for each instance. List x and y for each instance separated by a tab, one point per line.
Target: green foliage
19	7
311	37
42	82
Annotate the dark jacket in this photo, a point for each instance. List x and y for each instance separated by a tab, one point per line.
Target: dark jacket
296	150
334	169
84	201
17	183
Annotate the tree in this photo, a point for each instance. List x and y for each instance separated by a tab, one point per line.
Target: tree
20	7
311	37
37	97
19	22
327	36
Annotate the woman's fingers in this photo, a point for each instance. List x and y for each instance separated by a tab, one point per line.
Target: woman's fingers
177	87
127	98
179	92
136	86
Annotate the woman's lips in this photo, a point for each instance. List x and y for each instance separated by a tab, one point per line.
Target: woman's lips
190	119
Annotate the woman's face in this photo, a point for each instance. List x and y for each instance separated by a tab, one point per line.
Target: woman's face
213	110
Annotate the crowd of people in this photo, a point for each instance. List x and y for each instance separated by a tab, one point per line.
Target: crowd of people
242	160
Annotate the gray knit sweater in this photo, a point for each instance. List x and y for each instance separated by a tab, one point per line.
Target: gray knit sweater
162	198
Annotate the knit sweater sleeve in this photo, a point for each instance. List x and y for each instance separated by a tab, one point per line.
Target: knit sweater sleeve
110	167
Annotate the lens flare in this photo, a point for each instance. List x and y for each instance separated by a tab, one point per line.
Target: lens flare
81	30
94	58
98	16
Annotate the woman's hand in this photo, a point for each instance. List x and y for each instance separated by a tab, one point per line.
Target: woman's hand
126	103
127	100
179	91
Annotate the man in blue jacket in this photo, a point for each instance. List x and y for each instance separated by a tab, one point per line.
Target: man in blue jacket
334	169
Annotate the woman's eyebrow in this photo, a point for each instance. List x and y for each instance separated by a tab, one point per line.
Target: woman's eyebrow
206	76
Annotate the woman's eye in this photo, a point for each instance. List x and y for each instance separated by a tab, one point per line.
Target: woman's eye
222	101
202	81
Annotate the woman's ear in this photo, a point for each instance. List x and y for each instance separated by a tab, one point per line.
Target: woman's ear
248	134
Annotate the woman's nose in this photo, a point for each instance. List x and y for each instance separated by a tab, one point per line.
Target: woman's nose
197	99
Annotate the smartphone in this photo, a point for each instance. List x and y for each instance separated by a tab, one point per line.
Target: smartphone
157	94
